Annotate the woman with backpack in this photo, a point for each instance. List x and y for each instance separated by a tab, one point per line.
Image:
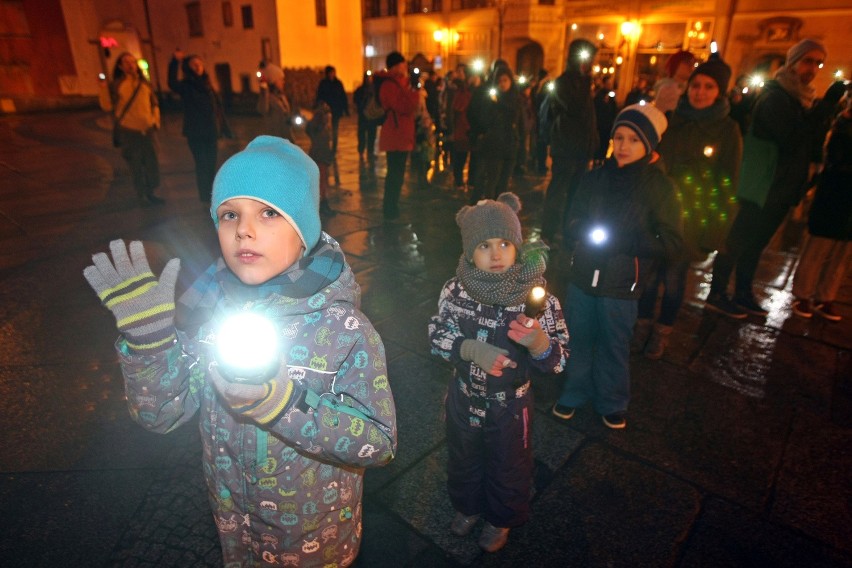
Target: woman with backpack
364	97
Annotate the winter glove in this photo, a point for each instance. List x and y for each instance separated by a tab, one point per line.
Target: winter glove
487	357
532	337
144	308
262	403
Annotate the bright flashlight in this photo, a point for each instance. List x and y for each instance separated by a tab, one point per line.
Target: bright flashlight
709	151
247	349
298	120
492	92
259	74
534	302
598	236
551	86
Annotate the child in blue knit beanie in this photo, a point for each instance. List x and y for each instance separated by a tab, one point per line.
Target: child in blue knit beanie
495	338
290	419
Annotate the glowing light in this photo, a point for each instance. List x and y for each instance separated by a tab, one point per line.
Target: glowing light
714	47
438	35
298	120
369	51
821	65
611	94
598	236
247	347
259	74
619	60
596	69
492	92
653	60
584	54
417	70
838	74
478	65
756	80
709	151
551	86
574	27
534	302
642	102
629	29
369	72
522	80
612	69
745	90
600	36
697	25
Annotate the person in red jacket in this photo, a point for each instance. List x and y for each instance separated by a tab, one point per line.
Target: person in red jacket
397	137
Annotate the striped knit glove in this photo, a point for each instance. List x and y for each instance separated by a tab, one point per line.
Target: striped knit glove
144	308
262	403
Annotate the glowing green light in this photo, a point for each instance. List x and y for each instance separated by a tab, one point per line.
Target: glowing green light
726	181
704	222
723	216
714	191
687	179
714	206
732	199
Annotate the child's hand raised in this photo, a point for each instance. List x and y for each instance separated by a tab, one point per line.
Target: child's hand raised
144	307
527	331
487	357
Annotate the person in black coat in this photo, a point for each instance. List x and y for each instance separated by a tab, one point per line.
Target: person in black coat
330	91
203	116
827	255
367	128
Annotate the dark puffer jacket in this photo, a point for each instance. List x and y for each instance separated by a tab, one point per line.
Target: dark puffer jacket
571	115
636	208
203	117
496	118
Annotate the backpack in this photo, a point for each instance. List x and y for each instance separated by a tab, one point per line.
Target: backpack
373	109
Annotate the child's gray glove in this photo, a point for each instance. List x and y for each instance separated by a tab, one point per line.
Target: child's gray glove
144	308
527	331
487	357
262	403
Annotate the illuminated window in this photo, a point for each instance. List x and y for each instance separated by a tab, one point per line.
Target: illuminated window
193	15
248	16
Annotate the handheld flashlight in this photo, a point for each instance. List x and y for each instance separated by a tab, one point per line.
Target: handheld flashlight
598	236
534	303
101	76
298	120
247	349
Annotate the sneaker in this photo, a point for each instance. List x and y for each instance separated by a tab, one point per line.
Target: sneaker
747	302
462	524
616	421
803	309
493	538
720	303
563	412
826	311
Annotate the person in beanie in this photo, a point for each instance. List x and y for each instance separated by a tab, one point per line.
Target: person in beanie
701	150
401	103
285	438
571	128
667	91
481	328
624	217
273	105
788	115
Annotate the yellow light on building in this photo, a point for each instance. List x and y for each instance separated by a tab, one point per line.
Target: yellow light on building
709	151
619	60
438	35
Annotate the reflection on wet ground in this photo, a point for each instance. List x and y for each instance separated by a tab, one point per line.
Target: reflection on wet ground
737	450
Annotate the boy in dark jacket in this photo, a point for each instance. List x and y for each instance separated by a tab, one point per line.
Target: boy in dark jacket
625	214
289	419
481	328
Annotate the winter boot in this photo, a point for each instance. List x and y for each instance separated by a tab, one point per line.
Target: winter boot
641	332
659	340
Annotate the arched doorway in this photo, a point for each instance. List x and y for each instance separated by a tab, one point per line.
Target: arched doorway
529	59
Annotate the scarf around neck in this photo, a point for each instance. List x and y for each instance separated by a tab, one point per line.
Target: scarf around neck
509	288
789	81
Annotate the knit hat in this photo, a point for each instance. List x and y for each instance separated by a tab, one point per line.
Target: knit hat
646	120
675	59
393	58
490	219
272	72
717	70
278	173
802	48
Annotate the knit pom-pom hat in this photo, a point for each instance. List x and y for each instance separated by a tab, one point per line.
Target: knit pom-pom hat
490	219
645	120
278	173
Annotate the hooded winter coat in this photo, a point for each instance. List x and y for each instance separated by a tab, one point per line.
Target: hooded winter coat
290	492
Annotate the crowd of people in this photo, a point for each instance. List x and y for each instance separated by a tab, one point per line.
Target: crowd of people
636	195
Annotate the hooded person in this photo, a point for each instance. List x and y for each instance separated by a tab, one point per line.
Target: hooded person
271	407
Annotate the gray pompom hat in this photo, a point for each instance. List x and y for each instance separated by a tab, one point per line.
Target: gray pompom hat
490	219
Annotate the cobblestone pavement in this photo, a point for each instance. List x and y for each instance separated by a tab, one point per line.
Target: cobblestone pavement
737	451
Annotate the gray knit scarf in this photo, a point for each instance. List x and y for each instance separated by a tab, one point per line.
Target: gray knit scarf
789	81
508	288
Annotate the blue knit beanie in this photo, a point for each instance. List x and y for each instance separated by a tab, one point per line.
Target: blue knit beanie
276	172
645	120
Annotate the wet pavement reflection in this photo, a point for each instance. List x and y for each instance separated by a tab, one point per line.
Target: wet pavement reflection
737	453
